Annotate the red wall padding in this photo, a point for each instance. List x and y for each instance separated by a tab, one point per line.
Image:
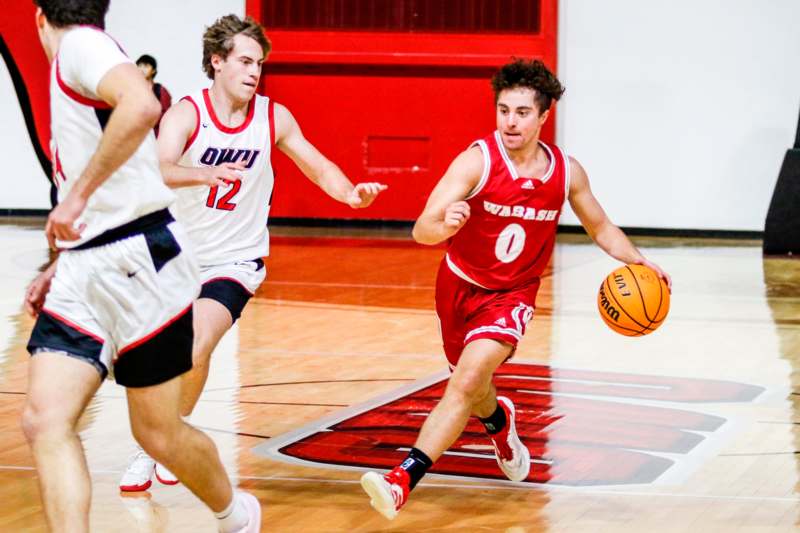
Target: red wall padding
391	107
18	29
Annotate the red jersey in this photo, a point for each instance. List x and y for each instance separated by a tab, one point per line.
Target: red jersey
510	234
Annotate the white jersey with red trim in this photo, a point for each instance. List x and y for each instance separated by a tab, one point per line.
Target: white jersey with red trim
78	118
229	223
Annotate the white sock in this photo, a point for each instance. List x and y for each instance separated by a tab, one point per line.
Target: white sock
234	517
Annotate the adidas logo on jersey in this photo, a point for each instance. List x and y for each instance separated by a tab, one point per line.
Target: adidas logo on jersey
528	184
501	322
520	211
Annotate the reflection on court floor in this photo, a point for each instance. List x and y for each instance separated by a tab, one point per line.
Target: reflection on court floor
337	361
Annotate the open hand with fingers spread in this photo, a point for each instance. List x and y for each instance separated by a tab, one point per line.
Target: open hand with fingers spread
364	194
223	174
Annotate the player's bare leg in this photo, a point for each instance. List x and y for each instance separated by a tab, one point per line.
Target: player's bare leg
468	391
159	429
49	423
469	386
487	405
211	321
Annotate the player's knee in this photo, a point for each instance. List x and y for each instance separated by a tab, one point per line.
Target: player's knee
201	349
471	385
156	431
159	443
40	422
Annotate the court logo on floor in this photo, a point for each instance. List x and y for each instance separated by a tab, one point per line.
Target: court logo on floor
582	427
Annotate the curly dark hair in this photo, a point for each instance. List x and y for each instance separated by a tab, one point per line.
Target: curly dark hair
218	38
531	74
63	13
147	59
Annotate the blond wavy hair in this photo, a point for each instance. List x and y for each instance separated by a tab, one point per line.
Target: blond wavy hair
218	38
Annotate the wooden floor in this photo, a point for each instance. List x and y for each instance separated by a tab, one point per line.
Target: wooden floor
335	362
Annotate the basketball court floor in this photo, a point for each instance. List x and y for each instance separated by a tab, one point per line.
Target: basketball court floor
336	362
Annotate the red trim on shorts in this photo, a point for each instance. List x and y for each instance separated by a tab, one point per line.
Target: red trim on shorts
495	336
97	104
222	127
164	326
196	126
225	278
271	120
73	325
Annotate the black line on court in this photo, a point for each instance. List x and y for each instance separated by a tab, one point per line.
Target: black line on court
12	392
242	433
796	452
294	403
314	382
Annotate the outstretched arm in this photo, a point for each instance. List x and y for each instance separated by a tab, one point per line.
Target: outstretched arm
597	224
446	210
317	167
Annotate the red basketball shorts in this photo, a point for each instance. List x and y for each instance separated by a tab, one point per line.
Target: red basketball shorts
468	312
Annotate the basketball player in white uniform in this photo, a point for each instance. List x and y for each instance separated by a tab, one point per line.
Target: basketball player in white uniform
119	300
215	147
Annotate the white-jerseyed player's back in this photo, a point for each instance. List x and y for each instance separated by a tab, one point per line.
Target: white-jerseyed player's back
78	118
229	224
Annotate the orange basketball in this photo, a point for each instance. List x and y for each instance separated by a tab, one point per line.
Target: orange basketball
633	300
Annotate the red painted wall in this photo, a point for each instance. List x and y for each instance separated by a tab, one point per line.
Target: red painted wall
390	107
18	30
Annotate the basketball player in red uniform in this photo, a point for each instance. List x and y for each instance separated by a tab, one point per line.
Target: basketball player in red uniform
498	207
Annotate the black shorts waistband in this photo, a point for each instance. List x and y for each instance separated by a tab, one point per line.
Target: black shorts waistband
129	229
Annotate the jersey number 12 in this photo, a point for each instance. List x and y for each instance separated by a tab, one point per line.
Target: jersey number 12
224	202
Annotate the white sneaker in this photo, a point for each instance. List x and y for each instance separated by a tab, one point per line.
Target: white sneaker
253	507
137	476
512	456
165	476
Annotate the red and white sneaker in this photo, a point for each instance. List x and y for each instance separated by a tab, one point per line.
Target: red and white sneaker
512	456
137	476
388	493
165	476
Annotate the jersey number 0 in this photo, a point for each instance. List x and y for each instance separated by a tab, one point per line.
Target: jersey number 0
510	243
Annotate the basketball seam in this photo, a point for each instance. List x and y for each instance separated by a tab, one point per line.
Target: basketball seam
623	309
616	327
641	294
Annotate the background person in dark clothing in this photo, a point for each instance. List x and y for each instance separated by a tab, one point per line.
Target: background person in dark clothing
149	67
